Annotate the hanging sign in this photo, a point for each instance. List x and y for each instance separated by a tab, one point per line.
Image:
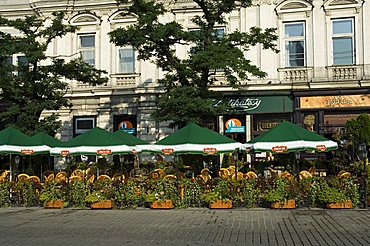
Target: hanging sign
104	152
210	151
64	152
168	151
234	126
279	149
321	147
27	151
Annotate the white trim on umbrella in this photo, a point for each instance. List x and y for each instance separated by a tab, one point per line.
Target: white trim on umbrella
93	150
295	145
19	149
197	148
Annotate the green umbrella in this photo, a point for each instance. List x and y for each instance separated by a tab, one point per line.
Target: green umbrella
95	141
194	139
289	137
46	139
13	141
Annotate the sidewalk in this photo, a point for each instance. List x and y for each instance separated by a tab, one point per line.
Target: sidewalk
38	226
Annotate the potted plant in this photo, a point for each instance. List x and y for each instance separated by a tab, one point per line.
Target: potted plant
162	193
219	196
54	195
281	193
101	195
339	193
5	194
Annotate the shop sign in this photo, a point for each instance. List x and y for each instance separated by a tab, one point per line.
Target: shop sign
210	151
168	151
335	101
104	151
127	126
64	152
234	126
262	104
279	149
321	147
27	151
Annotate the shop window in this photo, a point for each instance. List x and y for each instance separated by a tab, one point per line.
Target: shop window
126	60
343	41
87	48
295	44
82	124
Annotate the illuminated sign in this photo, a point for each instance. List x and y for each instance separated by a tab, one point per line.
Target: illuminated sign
234	126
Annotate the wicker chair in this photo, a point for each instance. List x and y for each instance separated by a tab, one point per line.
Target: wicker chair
78	172
61	176
170	176
23	177
118	177
74	178
286	175
238	175
34	179
304	175
158	173
223	173
91	179
250	175
104	177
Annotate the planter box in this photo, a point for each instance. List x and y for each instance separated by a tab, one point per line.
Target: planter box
221	204
107	204
346	204
54	204
288	204
167	204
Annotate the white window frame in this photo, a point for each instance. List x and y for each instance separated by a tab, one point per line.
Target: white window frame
119	64
78	131
343	35
292	39
83	49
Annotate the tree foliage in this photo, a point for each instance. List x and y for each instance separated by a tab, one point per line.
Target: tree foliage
210	53
37	82
358	130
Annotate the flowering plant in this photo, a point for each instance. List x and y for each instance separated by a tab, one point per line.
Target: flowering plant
102	190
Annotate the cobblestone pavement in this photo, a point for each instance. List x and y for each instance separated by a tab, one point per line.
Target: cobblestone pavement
38	226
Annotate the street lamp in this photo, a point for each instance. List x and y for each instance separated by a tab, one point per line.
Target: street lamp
363	155
121	160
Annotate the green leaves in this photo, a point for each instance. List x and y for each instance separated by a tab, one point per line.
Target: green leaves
30	81
209	53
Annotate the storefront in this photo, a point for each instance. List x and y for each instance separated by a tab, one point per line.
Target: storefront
250	115
328	114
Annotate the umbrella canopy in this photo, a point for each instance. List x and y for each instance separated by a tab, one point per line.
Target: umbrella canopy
133	142
194	139
288	137
46	139
95	141
13	141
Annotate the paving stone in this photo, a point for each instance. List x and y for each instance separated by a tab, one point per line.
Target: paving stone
38	226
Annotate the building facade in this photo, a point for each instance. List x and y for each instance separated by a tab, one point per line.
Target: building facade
319	79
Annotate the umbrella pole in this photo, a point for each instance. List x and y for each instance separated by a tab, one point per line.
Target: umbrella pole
97	166
10	169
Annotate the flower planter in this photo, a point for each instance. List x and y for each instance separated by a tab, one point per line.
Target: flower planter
221	204
107	204
167	204
54	204
288	204
346	204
